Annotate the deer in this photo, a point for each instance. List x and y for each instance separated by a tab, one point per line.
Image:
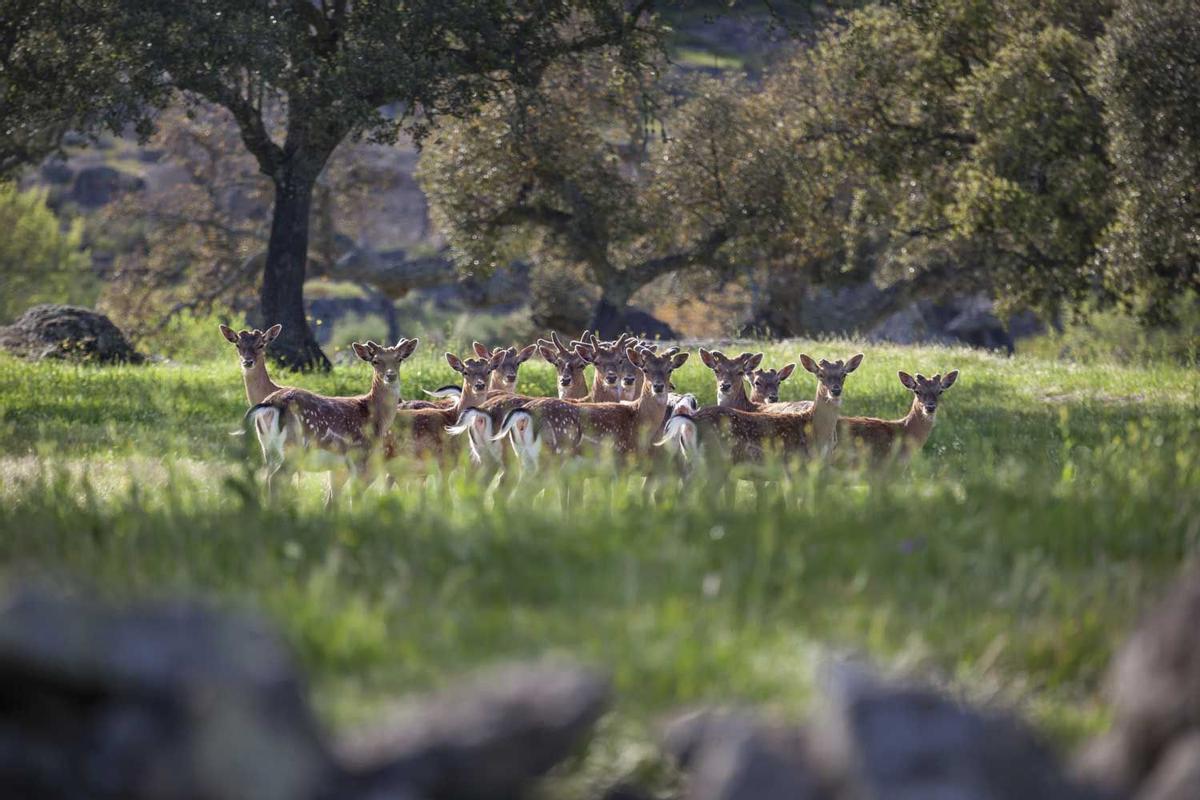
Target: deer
731	377
764	383
503	380
629	427
569	365
423	431
747	435
607	358
340	431
882	439
252	351
632	378
824	410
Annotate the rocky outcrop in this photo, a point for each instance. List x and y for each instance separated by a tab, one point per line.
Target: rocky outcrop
68	332
99	185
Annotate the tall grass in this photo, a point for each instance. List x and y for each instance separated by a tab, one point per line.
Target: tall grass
1049	506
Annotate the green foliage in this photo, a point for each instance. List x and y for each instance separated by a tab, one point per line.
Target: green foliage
39	261
1048	508
1149	75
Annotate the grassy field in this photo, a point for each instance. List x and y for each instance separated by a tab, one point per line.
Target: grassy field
1051	504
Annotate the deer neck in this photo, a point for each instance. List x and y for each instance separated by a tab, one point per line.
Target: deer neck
496	384
382	402
576	391
826	409
602	392
469	398
736	398
917	425
258	382
649	409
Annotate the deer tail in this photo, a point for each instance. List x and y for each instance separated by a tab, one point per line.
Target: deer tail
478	427
683	403
679	429
445	391
267	419
518	426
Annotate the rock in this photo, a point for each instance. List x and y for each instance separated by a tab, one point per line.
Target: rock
1177	776
67	332
486	739
909	743
99	185
731	755
56	172
170	701
1154	688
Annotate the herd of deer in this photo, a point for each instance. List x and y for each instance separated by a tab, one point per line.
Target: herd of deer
630	408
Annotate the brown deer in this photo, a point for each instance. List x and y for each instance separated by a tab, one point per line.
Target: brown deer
628	427
421	432
607	358
632	378
824	410
252	351
740	436
503	380
570	366
764	383
292	423
731	377
882	439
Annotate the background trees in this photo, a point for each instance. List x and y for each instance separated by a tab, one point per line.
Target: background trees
299	77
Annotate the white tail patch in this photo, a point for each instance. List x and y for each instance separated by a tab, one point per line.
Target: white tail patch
683	403
518	426
478	427
680	429
445	391
272	436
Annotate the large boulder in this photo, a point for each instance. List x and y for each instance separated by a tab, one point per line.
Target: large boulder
99	185
68	332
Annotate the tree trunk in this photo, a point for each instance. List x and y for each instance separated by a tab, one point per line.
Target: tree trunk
608	317
282	297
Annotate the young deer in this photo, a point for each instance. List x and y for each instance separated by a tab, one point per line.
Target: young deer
731	377
883	438
607	358
293	422
252	351
764	383
570	366
740	435
632	378
423	431
629	427
503	380
824	410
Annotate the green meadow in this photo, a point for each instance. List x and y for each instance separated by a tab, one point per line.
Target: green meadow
1006	563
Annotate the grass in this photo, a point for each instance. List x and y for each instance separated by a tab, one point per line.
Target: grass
1006	563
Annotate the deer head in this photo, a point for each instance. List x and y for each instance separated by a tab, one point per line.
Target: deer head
730	372
386	360
631	376
831	375
504	378
656	370
606	357
569	364
475	372
251	345
764	383
926	391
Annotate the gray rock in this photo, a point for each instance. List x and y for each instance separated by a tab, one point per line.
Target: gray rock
904	743
732	755
99	185
67	332
1177	776
486	739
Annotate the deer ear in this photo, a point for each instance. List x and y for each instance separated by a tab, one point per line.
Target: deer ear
949	378
707	358
810	365
678	360
853	363
480	350
362	351
585	352
907	381
526	353
635	357
497	357
406	347
753	361
786	372
273	332
229	334
455	363
546	350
